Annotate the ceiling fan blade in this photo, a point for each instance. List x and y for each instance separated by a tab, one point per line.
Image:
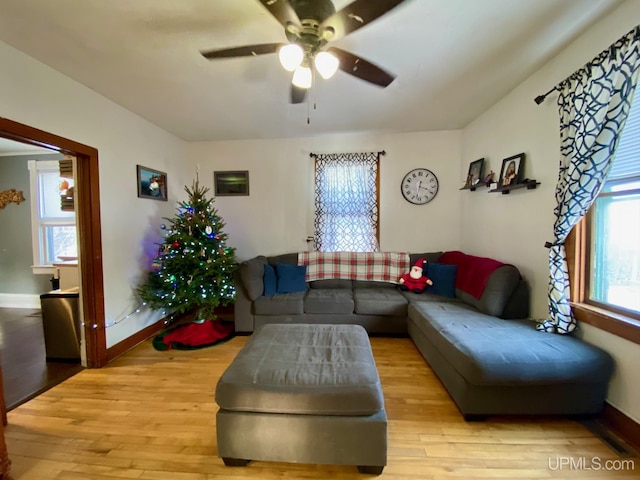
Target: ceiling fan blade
246	51
361	68
356	15
298	94
282	11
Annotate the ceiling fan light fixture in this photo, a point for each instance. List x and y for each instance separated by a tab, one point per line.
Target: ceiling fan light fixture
326	64
302	77
291	56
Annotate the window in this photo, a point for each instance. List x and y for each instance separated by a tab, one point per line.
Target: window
614	269
603	251
347	199
53	229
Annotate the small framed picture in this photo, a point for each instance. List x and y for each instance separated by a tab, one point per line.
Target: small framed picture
511	171
474	177
230	183
151	183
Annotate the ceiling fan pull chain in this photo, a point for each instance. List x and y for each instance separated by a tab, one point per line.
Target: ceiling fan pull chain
315	90
311	94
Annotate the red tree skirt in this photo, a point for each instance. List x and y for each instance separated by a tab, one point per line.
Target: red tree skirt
191	336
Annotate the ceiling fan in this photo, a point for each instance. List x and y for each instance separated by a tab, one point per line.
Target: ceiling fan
310	26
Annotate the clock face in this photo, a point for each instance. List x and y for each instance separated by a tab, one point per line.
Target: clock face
419	186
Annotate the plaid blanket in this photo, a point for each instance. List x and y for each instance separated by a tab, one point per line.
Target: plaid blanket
371	266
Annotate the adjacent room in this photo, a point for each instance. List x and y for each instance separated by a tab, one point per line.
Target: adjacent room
320	239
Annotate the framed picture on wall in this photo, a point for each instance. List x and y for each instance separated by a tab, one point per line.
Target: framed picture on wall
512	170
474	176
151	183
231	183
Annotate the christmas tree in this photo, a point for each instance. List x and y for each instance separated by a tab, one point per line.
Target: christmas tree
193	270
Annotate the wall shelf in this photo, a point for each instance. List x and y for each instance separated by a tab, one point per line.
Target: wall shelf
529	185
474	187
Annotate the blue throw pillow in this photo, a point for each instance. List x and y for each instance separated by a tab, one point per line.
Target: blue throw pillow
291	278
443	278
269	281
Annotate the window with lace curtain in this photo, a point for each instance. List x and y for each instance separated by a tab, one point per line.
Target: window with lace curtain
347	202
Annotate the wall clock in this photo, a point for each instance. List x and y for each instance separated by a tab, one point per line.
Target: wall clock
419	186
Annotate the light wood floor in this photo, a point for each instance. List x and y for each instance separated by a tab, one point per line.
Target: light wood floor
151	415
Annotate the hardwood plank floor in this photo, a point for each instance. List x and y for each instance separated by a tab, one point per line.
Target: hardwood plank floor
26	373
151	415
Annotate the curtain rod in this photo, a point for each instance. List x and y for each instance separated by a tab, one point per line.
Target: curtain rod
607	51
381	152
541	98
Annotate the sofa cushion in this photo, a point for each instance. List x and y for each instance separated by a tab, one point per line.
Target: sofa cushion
426	296
329	300
270	281
379	301
518	304
288	258
488	351
332	283
370	284
284	304
427	257
291	278
500	285
251	275
304	370
443	278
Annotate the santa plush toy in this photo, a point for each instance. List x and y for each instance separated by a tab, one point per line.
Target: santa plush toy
415	280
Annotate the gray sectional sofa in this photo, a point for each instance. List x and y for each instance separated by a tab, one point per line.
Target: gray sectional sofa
489	357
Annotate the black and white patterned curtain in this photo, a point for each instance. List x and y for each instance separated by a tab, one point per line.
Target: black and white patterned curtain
346	202
594	105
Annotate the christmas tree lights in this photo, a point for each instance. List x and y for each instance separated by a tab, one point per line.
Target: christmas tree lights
193	269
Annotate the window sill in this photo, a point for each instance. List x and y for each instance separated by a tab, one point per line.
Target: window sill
620	325
43	269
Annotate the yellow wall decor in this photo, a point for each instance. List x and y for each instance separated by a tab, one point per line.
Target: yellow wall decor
11	196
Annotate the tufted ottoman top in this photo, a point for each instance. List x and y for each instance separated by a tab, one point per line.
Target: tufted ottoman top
303	369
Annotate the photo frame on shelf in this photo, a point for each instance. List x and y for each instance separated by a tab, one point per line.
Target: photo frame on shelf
151	183
231	183
512	170
474	176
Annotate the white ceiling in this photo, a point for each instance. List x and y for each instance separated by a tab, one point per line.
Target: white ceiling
453	60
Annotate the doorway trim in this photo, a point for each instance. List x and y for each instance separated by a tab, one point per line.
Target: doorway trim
89	230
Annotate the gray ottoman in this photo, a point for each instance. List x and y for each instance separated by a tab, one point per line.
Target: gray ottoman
305	394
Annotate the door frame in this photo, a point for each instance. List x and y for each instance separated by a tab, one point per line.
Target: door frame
89	230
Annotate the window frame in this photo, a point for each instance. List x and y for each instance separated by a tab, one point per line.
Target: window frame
619	322
38	224
377	193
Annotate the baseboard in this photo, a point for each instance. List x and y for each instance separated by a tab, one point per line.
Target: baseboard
19	300
624	427
135	340
144	334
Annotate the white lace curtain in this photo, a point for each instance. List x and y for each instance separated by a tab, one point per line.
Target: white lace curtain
346	202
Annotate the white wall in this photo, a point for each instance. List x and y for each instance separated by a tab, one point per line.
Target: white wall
278	214
514	227
38	96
